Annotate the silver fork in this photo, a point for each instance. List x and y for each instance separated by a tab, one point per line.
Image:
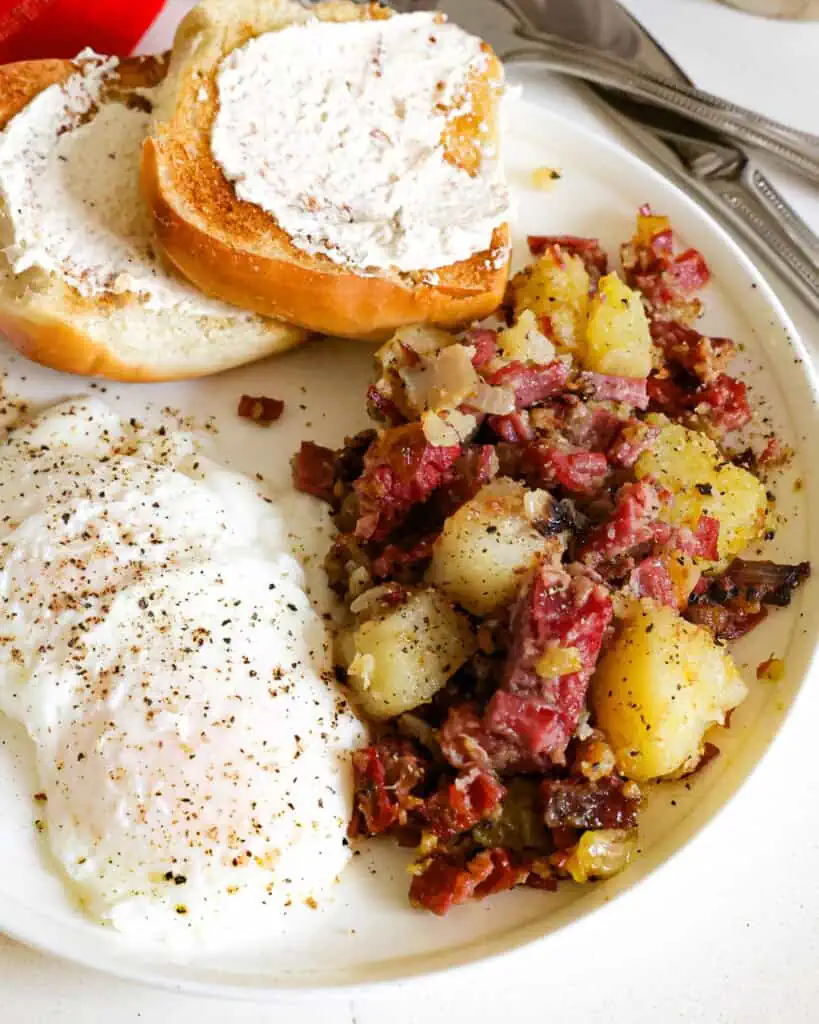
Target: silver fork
510	26
698	158
728	182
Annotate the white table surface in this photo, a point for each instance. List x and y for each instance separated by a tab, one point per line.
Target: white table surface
744	945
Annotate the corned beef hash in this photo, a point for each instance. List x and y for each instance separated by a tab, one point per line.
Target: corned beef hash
539	552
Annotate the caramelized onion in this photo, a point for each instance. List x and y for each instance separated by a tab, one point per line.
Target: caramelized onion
601	853
774	583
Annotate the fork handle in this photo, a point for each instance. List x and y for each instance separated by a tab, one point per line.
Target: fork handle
757	210
799	150
789	220
749	204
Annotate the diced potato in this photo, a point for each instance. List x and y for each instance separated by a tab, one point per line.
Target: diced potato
658	690
488	545
692	467
524	342
618	340
402	657
559	290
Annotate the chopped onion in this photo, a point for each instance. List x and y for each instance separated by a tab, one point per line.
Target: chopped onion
594	757
494	401
369	600
558	661
444	382
449	427
622	604
417	729
422	339
424	342
359	580
584	730
444	378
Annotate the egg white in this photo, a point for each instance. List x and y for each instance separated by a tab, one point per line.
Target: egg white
158	646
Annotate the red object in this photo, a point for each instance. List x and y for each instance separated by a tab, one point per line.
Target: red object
666	396
727	398
382	408
474	467
701	356
314	470
393	558
485	343
555	611
707	538
515	427
589	425
542	464
588	249
633	522
261	409
688	272
444	884
631	390
668	283
33	29
463	738
580	803
652	579
577	471
634	438
385	777
459	805
401	469
531	384
531	718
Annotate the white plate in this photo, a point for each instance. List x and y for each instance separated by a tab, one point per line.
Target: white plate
370	934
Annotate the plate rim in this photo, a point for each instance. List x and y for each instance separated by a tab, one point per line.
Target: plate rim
464	959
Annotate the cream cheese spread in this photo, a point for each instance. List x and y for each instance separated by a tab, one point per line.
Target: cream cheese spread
69	181
336	130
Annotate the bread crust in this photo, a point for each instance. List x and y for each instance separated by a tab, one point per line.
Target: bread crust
54	343
223	244
343	304
21	82
57	338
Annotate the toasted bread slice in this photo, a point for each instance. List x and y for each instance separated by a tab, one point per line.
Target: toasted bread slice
110	333
236	251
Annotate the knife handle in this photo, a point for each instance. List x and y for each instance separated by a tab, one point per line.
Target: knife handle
800	150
